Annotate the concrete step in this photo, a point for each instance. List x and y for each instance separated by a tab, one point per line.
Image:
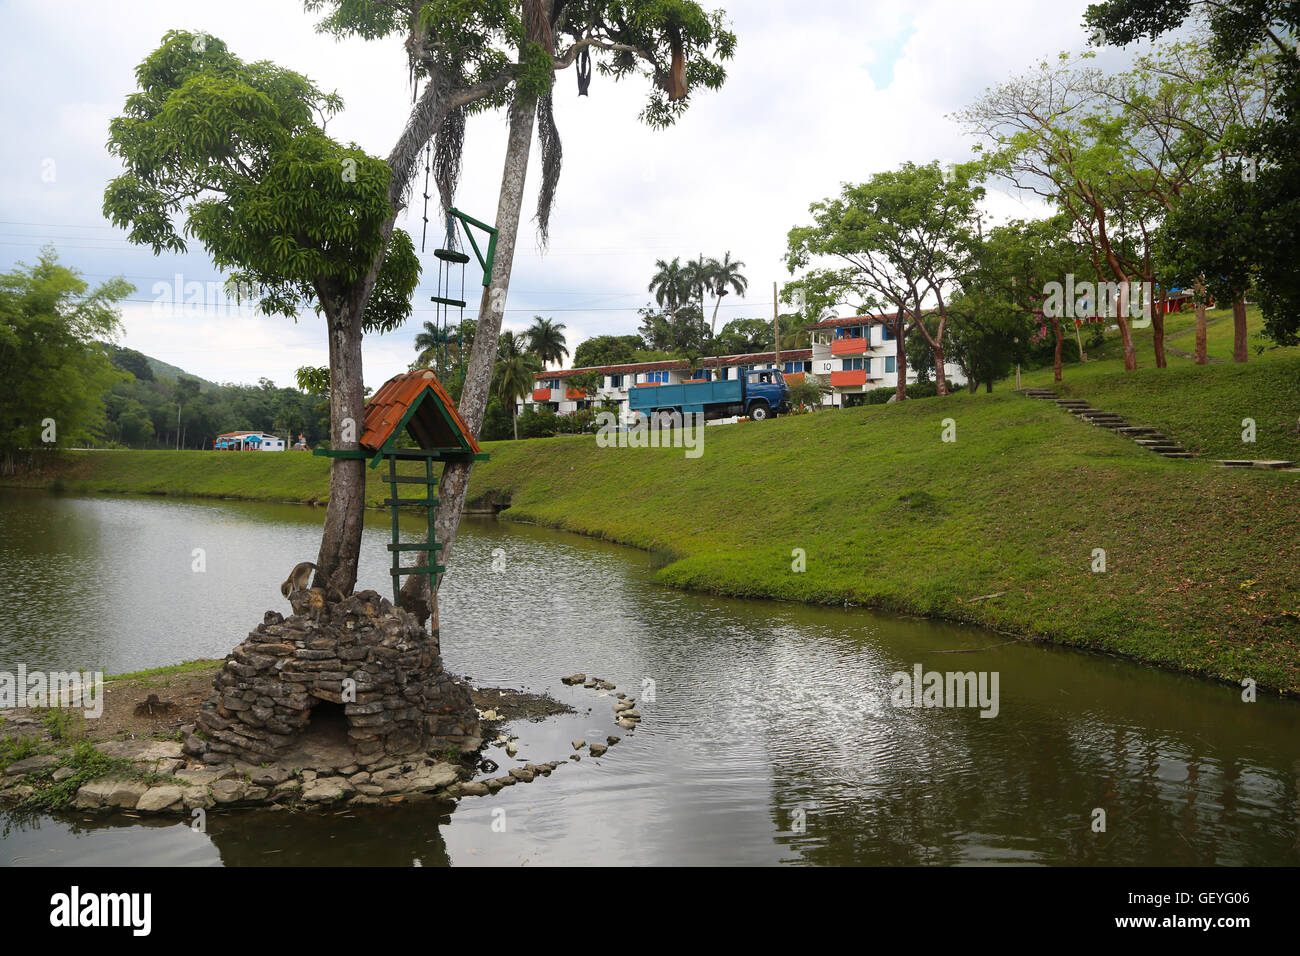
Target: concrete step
1266	464
1071	403
1151	442
1111	425
1176	454
1136	430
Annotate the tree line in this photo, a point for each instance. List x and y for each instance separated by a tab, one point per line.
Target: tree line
1169	175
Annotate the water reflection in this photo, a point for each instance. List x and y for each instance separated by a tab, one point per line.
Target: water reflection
771	737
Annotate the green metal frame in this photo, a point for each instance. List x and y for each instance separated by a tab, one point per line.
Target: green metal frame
430	546
485	262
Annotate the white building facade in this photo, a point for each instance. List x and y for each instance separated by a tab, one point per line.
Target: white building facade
857	354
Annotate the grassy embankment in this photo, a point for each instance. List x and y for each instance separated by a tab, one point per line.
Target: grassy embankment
1201	406
1201	562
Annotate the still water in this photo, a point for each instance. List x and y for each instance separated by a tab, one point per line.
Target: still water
771	739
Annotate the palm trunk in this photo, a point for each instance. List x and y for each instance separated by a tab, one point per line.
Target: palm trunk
1200	323
415	596
514	419
713	328
1239	328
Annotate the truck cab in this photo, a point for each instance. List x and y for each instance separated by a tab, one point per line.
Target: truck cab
766	393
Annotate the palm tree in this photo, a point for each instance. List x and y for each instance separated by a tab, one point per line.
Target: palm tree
433	344
670	285
546	340
699	277
726	277
515	373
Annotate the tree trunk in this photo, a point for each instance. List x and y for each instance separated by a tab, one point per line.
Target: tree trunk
1126	336
514	418
1239	328
1200	323
940	380
713	329
415	596
340	545
900	362
1158	334
1056	362
988	386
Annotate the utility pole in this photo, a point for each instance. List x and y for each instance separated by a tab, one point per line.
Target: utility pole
776	328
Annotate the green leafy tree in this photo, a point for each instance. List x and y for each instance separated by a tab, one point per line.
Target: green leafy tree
1207	245
129	360
807	391
235	155
606	350
896	244
54	373
1116	151
740	336
1239	29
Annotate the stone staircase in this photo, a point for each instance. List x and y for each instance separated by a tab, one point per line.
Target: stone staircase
1148	438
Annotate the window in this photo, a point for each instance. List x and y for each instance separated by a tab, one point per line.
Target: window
616	381
659	377
887	335
890	363
855	364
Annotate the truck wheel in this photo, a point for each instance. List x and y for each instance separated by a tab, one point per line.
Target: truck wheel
759	411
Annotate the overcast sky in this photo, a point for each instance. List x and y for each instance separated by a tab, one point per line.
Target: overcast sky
820	92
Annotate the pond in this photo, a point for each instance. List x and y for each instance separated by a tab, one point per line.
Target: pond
772	736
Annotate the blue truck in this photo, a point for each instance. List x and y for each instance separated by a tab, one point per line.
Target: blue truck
759	394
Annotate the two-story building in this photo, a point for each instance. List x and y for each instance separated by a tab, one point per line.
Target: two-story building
857	354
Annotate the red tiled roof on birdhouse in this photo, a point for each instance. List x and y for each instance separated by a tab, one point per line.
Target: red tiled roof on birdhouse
435	424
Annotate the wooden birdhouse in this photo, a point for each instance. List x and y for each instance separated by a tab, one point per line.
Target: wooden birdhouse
416	404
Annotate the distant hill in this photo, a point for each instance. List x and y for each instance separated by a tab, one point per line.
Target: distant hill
130	360
162	370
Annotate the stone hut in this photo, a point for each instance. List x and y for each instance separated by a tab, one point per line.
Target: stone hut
368	661
361	656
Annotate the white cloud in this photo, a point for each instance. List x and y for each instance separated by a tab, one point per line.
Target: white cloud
799	114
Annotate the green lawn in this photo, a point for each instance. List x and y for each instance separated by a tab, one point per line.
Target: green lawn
1198	558
1203	406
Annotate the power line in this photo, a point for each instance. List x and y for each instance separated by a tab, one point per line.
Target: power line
183	306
